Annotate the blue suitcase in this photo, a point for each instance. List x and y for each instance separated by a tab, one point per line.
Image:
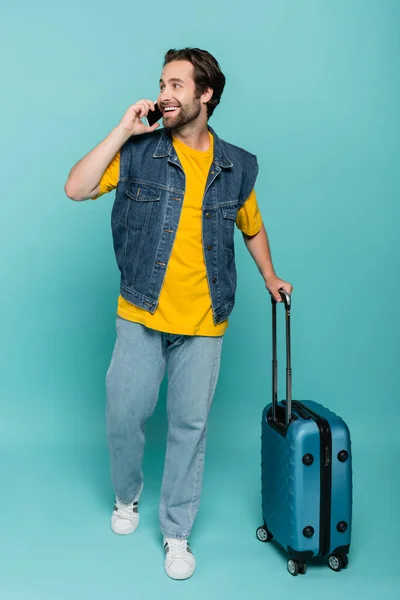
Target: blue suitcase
306	473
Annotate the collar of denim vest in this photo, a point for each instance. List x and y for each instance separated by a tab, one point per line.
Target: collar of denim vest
165	148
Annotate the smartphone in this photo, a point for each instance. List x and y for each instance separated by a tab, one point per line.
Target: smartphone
154	115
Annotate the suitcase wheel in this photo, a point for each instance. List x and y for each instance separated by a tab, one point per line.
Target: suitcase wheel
263	534
302	568
296	568
338	562
292	567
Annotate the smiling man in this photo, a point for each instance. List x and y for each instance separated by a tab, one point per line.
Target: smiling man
180	192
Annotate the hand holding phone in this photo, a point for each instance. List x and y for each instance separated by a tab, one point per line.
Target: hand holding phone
132	120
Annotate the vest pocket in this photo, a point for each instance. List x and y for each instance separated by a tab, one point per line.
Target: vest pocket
143	193
229	215
142	199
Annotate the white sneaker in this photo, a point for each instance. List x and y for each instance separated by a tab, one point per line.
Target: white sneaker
125	517
179	560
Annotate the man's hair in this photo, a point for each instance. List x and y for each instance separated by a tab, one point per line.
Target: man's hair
207	73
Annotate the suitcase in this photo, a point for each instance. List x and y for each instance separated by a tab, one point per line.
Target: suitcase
306	473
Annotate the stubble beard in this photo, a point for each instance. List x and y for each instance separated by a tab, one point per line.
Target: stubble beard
185	117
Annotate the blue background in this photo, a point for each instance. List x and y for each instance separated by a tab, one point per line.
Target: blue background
313	88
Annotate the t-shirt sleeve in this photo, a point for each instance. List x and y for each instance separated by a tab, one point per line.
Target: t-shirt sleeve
249	219
110	178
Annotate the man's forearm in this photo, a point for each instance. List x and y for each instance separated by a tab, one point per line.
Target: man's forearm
258	246
84	178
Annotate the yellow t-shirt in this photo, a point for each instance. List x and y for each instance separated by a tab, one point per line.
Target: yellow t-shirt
184	306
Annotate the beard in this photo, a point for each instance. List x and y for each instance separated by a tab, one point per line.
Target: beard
185	116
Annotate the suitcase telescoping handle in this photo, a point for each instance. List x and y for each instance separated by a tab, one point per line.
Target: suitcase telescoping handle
287	302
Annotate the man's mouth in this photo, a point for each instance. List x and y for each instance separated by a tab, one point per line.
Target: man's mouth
170	110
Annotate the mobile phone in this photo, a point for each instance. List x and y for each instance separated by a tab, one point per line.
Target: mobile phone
154	115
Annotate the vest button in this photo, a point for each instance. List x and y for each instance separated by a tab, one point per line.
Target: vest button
214	280
208	215
209	247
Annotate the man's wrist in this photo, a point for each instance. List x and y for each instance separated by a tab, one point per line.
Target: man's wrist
123	133
269	274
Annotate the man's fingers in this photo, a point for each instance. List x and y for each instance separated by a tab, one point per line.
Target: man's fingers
144	110
287	287
136	109
149	104
275	287
276	295
153	127
141	108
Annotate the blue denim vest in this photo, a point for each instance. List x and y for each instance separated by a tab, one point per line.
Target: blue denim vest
146	213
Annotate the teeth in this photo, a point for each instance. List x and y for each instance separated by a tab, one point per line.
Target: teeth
170	108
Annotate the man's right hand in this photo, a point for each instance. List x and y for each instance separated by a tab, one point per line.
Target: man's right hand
84	178
131	121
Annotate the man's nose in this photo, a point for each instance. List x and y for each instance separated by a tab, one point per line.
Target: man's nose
165	96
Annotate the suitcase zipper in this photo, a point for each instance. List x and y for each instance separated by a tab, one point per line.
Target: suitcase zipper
325	436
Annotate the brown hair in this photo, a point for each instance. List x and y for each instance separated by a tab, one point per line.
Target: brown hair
207	73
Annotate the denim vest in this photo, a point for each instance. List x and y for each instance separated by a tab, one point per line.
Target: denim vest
146	213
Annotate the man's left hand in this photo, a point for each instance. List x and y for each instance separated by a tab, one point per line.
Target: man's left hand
274	284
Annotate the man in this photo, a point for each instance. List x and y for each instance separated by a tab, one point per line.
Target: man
180	191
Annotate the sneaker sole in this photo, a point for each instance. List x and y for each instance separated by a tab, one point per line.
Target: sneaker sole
179	578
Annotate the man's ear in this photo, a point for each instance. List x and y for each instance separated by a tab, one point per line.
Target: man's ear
207	95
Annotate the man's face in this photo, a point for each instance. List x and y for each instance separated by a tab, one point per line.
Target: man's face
177	98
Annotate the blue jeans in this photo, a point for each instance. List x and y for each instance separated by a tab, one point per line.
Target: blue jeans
133	380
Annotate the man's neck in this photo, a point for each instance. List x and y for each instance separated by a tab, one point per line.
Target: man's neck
193	136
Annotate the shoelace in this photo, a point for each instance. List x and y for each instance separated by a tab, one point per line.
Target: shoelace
125	511
177	549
